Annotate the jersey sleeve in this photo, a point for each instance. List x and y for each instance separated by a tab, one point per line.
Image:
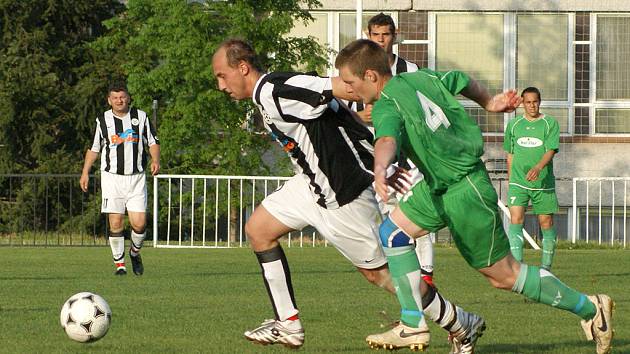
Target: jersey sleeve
552	142
507	138
150	133
454	81
98	138
387	119
300	97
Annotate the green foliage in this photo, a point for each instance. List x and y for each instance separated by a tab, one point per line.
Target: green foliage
166	48
41	51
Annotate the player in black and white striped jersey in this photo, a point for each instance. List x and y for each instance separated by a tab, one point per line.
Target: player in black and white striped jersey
120	136
332	189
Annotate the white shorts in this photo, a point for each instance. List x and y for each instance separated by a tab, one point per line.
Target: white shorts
352	229
388	206
120	192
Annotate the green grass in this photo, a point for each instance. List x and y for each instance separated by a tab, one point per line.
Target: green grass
200	301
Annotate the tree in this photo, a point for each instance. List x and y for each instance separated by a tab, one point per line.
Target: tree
167	48
42	48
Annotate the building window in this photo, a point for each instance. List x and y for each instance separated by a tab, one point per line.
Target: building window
613	58
542	54
472	43
612	121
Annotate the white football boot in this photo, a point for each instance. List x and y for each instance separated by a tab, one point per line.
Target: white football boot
599	328
401	336
277	332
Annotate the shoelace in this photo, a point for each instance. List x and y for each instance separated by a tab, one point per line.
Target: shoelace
390	322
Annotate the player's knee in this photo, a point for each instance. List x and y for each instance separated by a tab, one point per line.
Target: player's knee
393	236
379	277
139	229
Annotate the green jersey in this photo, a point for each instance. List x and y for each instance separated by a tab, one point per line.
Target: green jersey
528	141
430	126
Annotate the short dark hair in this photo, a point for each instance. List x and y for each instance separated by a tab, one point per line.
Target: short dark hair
237	50
531	89
382	20
117	86
362	55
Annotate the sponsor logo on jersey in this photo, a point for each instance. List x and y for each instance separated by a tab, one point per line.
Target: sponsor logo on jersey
135	121
529	142
124	137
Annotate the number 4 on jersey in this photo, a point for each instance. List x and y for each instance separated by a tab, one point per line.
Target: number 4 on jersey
433	114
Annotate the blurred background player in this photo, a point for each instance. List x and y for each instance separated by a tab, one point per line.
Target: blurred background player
332	189
419	113
120	136
531	141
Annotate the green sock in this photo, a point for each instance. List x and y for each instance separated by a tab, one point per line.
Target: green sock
515	235
405	271
543	287
549	247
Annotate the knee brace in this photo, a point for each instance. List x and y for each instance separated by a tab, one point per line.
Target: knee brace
393	236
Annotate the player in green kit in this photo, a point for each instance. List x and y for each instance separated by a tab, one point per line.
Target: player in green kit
531	141
419	114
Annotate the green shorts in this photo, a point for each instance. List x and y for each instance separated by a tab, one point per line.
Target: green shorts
469	209
545	202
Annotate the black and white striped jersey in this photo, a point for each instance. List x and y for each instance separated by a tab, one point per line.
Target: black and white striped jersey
400	66
326	144
122	141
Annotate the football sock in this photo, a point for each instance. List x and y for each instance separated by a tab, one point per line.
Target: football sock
136	242
440	310
405	272
117	244
541	286
549	247
424	250
277	278
515	235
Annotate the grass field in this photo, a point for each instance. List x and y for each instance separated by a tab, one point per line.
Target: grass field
200	301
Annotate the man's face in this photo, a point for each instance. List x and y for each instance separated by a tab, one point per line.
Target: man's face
531	103
231	80
383	36
119	101
362	87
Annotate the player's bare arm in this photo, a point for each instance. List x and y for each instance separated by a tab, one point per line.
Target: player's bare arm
154	150
506	101
90	158
532	174
384	153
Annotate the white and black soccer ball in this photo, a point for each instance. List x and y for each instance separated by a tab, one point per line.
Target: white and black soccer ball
85	317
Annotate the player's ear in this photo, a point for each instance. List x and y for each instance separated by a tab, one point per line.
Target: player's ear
370	75
243	67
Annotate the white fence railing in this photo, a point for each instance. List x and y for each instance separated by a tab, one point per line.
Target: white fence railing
600	210
211	211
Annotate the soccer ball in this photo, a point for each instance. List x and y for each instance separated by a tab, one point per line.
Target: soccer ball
85	317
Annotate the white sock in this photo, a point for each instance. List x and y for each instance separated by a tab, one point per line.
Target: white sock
117	244
424	250
136	242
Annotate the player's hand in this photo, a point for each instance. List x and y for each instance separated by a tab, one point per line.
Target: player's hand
380	183
504	102
84	182
532	174
399	179
155	167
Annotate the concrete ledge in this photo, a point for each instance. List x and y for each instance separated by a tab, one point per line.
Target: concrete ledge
530	5
368	5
